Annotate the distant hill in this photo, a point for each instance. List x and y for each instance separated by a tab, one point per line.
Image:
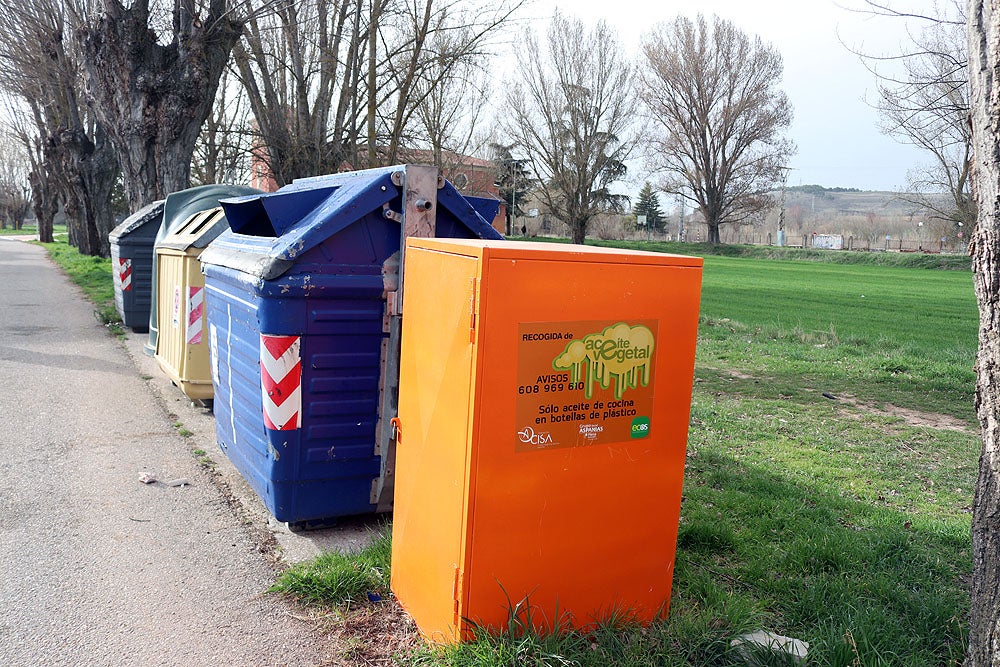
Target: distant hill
818	201
818	189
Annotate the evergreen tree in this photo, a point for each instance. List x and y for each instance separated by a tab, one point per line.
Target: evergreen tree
648	204
514	181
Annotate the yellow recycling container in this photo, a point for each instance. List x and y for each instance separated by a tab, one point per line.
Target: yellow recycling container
544	400
182	348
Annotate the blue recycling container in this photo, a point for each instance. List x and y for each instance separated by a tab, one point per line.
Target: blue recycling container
301	297
132	264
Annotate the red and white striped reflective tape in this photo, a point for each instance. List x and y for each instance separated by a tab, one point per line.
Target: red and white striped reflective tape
121	270
195	314
124	273
281	381
116	275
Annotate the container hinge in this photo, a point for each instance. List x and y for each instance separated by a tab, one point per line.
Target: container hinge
472	312
456	591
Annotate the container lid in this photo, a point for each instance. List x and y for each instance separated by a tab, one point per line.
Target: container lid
486	207
540	250
197	231
150	213
181	205
269	231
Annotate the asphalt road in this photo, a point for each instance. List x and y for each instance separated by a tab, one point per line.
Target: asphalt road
97	568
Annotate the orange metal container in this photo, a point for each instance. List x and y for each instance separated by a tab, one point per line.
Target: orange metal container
545	393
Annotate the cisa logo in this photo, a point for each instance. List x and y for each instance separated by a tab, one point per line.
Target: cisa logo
529	437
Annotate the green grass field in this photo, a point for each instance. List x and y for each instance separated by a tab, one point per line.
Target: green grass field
843	521
27	230
831	462
912	260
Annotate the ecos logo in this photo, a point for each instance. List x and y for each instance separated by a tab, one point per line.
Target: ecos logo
529	437
640	427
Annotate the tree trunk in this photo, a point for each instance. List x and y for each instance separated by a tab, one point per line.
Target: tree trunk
82	233
579	232
86	171
713	233
984	73
45	208
373	81
152	97
98	174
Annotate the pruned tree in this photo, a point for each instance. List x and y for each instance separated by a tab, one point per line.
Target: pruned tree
648	204
570	114
153	76
711	92
923	99
984	72
73	157
335	82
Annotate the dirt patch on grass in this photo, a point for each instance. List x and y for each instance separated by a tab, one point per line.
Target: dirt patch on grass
929	419
910	417
375	634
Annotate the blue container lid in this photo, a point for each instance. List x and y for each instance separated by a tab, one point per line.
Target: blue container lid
300	216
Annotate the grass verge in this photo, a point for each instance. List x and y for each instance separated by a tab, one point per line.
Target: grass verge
27	230
93	275
336	578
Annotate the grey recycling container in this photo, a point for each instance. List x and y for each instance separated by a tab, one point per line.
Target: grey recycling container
132	264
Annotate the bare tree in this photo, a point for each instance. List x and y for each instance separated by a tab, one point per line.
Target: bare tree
42	176
15	189
451	98
984	71
153	75
341	81
570	114
223	151
300	66
712	93
923	100
73	156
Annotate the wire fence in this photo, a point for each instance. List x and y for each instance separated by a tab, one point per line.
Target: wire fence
818	241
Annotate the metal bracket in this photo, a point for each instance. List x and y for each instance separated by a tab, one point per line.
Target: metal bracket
420	185
389	214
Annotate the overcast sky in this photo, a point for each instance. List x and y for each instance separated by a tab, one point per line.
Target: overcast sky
837	133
